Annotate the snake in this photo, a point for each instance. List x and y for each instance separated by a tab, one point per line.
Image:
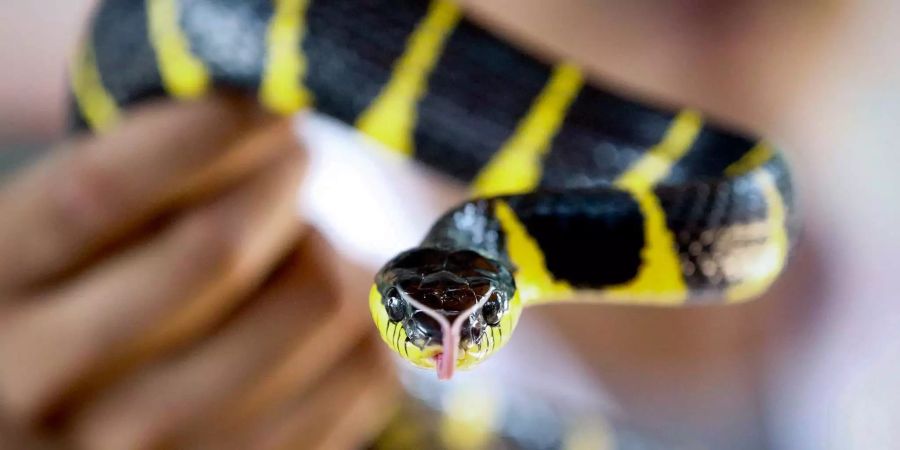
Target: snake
578	193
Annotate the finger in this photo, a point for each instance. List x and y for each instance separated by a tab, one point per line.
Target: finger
355	402
152	296
345	409
296	312
86	194
322	343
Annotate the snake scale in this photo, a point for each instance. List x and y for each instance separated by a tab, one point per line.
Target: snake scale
579	194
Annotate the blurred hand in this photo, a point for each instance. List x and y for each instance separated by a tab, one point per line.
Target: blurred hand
157	288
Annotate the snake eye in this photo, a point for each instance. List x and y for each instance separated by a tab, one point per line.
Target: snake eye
493	309
394	305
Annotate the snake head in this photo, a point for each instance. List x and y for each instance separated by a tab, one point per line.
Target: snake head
444	309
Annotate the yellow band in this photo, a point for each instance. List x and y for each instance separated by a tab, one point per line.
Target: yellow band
282	88
97	105
516	168
183	75
391	118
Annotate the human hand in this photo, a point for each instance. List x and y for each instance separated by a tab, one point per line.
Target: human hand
157	288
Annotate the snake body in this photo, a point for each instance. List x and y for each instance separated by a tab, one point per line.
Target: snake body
579	194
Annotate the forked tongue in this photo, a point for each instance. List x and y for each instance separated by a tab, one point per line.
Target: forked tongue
445	361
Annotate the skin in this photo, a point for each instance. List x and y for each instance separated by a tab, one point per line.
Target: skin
157	287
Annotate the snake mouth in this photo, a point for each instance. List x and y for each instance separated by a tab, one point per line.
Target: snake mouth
446	358
431	352
444	365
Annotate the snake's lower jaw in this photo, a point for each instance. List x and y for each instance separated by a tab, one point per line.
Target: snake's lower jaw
445	367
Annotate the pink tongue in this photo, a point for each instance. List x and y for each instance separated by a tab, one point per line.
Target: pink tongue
444	370
445	361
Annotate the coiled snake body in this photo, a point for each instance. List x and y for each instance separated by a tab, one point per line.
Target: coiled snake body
579	194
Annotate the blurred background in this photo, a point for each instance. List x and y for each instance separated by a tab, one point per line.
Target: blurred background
814	364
